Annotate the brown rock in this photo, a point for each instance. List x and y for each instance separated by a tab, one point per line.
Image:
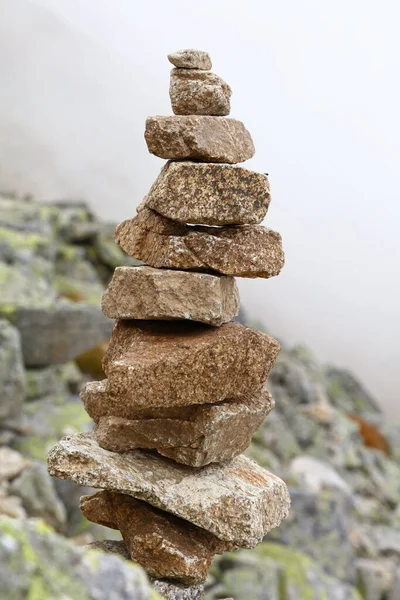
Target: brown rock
117	547
164	545
245	251
238	501
191	59
177	364
215	433
194	92
160	294
211	194
208	139
99	403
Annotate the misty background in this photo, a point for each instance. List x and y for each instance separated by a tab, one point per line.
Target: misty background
316	83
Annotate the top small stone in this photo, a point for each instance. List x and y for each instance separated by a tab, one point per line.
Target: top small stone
191	59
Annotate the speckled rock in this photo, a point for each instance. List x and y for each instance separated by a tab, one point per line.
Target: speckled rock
210	194
204	138
164	545
98	403
191	59
36	563
195	92
181	363
237	501
215	433
176	591
159	294
244	251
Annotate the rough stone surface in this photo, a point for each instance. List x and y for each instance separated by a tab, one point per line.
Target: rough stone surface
36	563
159	294
244	251
168	590
237	501
210	194
57	335
174	591
164	545
195	92
178	363
191	59
215	433
204	138
98	403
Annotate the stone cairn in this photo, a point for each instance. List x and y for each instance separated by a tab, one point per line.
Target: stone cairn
185	384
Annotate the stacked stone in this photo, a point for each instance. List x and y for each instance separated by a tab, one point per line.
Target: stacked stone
185	384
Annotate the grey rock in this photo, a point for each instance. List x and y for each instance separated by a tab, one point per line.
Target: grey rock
12	381
237	500
39	498
375	578
319	525
60	333
36	563
346	392
173	591
191	59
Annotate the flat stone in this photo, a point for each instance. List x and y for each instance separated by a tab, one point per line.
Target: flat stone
209	194
215	433
160	294
98	403
238	501
191	59
164	545
244	251
181	363
204	138
195	92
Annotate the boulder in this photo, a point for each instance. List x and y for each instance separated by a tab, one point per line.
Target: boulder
38	496
209	194
37	563
196	92
279	571
164	545
244	251
191	59
57	334
214	433
204	138
178	363
12	377
160	294
237	500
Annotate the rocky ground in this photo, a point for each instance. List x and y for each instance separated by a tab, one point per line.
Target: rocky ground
326	437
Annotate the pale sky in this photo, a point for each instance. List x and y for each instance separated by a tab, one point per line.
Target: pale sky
316	83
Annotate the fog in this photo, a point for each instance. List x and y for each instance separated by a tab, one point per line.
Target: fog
316	83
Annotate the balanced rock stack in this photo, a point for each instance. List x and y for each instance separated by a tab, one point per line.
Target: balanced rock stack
185	384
